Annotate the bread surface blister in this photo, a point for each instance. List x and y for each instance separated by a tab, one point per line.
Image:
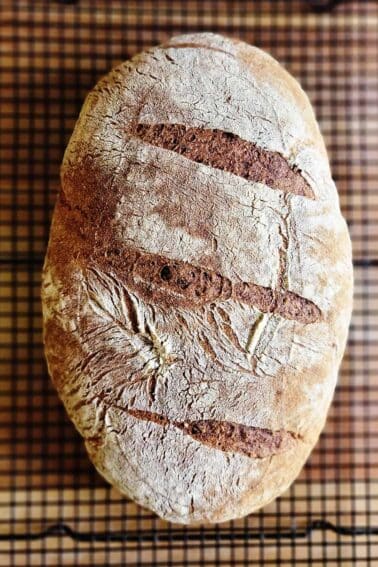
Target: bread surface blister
197	287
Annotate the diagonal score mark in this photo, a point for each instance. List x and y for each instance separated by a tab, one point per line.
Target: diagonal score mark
255	442
227	152
178	283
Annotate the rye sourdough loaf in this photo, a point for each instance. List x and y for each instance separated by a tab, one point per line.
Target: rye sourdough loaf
197	287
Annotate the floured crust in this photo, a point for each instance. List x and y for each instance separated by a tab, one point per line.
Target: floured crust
196	302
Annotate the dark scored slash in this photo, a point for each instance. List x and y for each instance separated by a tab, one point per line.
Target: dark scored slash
178	283
255	442
228	152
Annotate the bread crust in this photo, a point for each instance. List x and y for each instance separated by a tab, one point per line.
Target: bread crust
195	316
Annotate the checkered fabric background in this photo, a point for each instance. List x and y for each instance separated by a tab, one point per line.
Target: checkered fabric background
54	507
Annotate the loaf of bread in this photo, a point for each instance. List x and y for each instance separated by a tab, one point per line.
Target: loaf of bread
197	287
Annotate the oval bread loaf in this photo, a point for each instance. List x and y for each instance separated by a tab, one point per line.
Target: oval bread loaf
197	287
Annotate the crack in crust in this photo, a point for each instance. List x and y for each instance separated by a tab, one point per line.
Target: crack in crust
193	45
178	283
228	152
227	436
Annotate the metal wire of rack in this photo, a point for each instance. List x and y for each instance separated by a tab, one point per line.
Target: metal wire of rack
54	508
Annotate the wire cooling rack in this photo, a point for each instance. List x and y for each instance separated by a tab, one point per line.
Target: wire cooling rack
54	508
